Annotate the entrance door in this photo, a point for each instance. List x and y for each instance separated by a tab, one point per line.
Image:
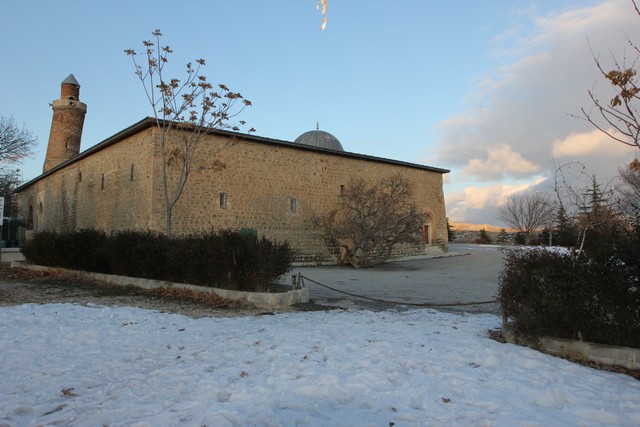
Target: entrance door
427	234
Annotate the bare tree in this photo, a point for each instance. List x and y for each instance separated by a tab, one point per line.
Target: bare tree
527	212
15	143
9	181
191	105
371	219
629	191
619	118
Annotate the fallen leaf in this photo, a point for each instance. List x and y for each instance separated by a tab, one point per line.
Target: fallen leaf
68	392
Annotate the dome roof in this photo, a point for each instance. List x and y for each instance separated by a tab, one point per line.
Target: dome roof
319	138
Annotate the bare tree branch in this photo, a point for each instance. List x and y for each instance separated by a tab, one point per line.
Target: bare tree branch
527	212
191	105
619	118
371	219
15	143
629	192
582	200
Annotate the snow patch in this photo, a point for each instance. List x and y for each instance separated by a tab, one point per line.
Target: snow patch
130	366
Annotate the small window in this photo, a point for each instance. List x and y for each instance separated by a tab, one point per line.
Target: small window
342	190
102	182
30	218
223	200
79	176
131	177
293	204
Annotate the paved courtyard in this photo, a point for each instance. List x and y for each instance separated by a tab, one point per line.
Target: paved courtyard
469	274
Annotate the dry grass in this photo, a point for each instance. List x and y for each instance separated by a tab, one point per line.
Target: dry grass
22	286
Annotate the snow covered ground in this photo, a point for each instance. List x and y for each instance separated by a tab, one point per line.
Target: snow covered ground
132	367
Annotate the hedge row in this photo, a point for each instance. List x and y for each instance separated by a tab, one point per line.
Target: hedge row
224	259
547	293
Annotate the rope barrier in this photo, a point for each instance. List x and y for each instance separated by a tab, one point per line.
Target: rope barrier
382	301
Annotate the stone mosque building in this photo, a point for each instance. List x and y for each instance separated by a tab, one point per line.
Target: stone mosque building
271	186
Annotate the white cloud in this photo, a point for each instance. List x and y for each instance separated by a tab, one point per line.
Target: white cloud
500	161
479	204
588	143
522	114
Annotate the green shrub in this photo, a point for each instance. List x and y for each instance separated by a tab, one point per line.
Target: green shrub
84	250
225	259
546	293
43	250
232	260
140	254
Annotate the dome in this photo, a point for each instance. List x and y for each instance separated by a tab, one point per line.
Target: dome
319	138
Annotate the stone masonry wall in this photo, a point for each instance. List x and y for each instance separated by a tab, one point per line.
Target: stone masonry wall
108	190
268	187
260	181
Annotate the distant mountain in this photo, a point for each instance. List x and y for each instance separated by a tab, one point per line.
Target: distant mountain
465	226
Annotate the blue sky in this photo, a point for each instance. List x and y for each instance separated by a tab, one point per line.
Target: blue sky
482	88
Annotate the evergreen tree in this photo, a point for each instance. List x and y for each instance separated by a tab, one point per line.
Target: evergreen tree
503	236
600	227
483	238
566	232
450	232
545	238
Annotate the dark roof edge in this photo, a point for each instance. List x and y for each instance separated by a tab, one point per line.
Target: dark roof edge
293	145
289	144
131	130
150	121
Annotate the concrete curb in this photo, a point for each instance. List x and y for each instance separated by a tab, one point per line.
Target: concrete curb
259	299
11	254
602	354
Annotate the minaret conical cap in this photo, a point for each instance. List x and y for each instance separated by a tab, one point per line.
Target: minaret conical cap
71	80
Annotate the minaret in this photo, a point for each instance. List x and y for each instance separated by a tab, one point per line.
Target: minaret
66	126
